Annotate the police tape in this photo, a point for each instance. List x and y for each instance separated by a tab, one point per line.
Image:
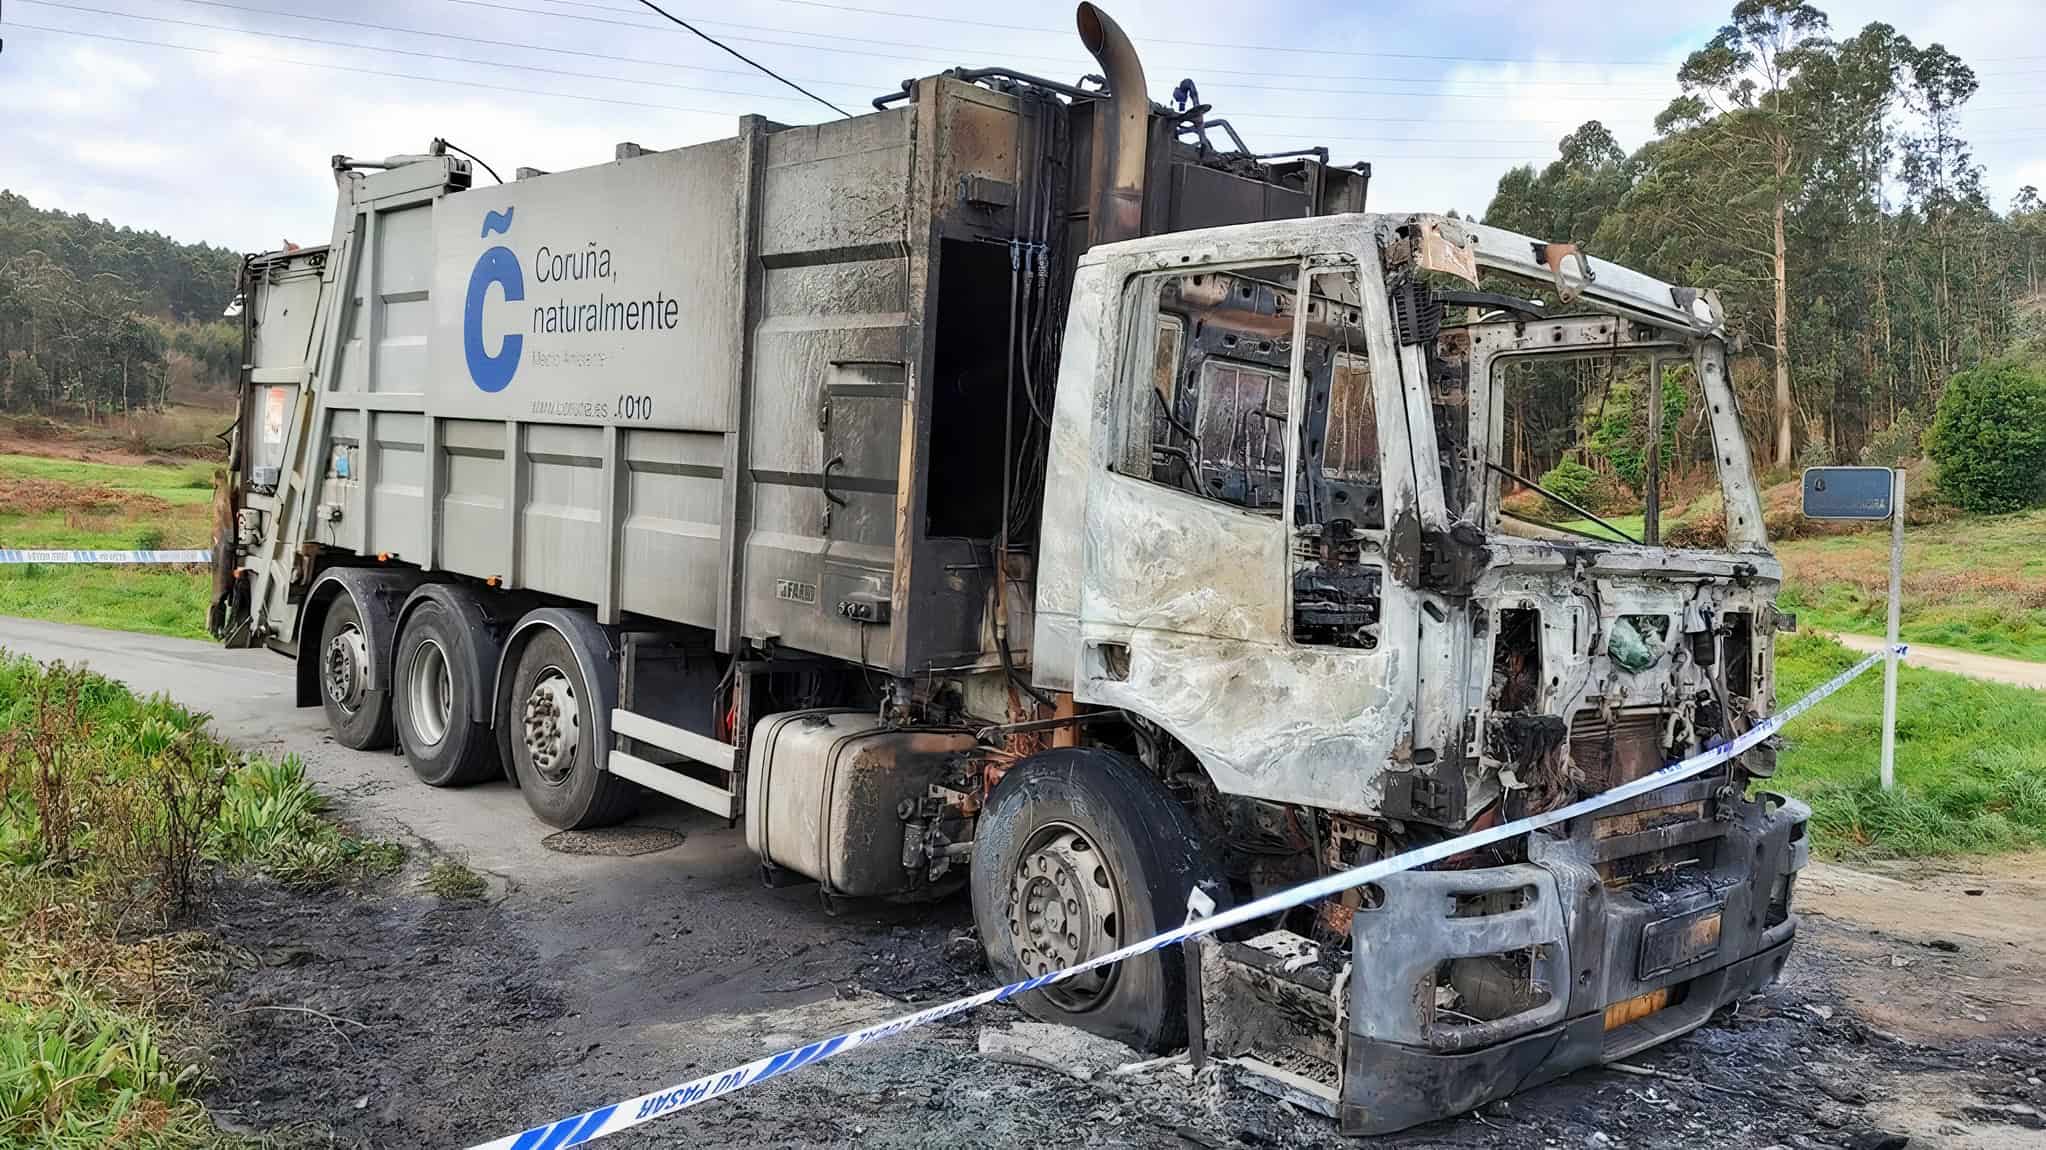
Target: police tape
607	1120
54	556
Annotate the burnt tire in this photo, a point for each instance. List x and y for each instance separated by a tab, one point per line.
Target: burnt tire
550	702
433	685
1094	831
359	717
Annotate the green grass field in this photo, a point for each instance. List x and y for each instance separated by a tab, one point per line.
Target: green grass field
63	503
1971	759
157	600
69	503
184	482
1977	584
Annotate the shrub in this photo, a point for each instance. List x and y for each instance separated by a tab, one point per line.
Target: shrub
149	539
1897	444
1573	481
1814	453
1989	436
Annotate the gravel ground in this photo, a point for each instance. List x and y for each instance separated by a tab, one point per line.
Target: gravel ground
394	1018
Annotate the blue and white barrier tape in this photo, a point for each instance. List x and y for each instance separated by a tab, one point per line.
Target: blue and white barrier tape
54	556
591	1125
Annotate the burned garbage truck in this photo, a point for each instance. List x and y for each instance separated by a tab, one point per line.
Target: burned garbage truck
1025	488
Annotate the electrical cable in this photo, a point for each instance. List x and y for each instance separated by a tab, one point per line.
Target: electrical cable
936	52
471	84
521	67
737	55
1232	47
552	93
451	146
672	65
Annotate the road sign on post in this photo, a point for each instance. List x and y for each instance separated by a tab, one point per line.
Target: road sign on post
1869	493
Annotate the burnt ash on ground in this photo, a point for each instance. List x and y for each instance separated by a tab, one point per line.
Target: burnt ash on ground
394	1019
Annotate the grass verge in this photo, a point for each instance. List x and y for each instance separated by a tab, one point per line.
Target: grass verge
158	600
115	814
1971	759
1976	584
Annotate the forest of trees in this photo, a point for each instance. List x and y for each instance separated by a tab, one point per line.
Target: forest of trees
96	319
1823	186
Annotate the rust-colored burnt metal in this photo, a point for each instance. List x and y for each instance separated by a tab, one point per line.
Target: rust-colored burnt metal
1608	754
1346	843
1118	207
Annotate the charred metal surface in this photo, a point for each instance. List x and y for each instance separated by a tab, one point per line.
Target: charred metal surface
1560	947
1123	127
1277	999
1453	561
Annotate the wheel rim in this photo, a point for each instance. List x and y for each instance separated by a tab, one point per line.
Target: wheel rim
345	668
431	694
1063	909
553	726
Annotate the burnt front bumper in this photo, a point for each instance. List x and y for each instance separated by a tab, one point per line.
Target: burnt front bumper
1626	931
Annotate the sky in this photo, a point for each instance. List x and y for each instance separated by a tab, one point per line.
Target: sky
226	137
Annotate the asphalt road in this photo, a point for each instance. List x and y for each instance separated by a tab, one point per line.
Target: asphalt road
249	695
589	915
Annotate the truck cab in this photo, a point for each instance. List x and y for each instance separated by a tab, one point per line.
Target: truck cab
1282	450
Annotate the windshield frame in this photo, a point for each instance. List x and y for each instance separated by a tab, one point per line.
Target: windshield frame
1495	344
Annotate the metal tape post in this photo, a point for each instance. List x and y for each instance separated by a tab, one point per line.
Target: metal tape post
593	1124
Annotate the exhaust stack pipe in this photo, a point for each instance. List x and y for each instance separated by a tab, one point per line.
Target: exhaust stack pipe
1118	207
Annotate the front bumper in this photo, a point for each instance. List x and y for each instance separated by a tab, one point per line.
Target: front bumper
1617	966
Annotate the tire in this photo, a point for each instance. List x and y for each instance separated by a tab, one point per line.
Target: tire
1049	817
433	682
560	778
359	717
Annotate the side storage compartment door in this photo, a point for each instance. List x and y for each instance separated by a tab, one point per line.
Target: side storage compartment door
1234	583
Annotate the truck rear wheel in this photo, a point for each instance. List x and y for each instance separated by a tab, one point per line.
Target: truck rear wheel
359	717
433	693
1080	851
553	737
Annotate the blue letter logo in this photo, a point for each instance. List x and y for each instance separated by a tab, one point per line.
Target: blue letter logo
496	266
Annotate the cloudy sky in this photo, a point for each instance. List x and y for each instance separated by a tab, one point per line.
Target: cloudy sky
214	119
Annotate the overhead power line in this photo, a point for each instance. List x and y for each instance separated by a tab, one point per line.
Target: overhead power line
1232	46
553	94
937	52
231	6
235	30
356	68
737	55
294	37
413	52
1047	30
367	25
1067	33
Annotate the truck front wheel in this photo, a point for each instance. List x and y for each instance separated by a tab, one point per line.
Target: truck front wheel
1080	851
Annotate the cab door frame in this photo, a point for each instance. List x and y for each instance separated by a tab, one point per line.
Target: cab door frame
1184	603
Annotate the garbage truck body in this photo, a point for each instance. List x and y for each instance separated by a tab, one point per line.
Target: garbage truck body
1025	488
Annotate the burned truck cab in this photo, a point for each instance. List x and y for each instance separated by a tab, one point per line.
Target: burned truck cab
1317	563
